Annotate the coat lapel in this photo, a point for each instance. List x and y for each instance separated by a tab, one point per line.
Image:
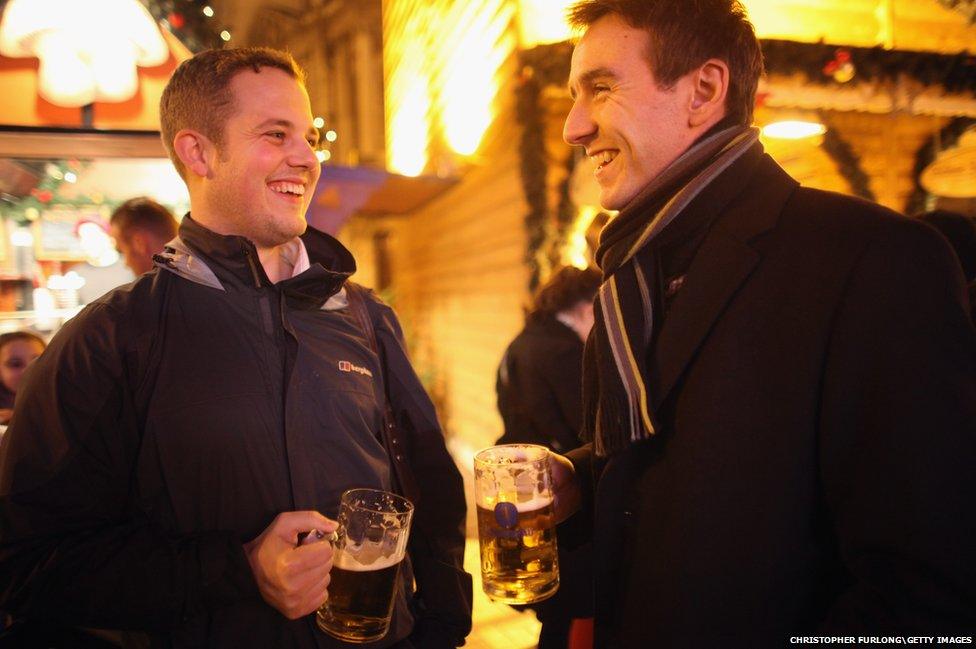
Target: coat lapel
722	264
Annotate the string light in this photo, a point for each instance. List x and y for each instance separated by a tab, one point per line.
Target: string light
208	11
331	136
318	122
225	35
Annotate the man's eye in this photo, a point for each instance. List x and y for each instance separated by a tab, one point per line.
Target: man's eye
278	135
600	89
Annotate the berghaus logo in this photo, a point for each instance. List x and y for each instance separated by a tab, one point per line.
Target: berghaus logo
346	366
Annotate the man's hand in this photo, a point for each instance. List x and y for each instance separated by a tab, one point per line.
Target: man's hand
292	578
565	487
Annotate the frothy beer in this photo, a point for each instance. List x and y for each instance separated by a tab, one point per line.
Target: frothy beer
516	523
371	542
360	598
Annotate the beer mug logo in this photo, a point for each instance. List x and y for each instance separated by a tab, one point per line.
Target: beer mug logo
506	515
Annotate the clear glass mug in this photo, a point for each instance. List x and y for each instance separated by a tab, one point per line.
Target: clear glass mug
371	542
516	523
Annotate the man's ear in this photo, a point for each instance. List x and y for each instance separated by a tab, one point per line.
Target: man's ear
195	151
710	87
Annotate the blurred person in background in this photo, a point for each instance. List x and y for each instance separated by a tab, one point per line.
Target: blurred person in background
539	388
141	228
539	381
18	349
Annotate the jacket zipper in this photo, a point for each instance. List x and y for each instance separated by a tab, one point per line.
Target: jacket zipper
254	268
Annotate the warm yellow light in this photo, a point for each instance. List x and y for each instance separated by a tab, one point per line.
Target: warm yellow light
442	88
864	23
409	130
471	81
70	177
331	136
225	35
83	57
407	89
208	11
320	155
575	249
793	129
543	21
318	122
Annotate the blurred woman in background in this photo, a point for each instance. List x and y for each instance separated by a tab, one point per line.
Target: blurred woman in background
18	349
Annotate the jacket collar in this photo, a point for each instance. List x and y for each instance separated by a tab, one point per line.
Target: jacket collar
230	262
722	264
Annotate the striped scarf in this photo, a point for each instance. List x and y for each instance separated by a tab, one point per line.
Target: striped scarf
617	406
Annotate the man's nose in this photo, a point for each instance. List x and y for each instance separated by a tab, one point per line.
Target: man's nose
579	127
303	155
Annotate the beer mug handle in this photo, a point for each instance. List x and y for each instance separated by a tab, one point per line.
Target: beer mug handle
313	536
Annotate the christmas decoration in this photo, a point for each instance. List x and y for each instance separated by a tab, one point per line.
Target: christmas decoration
542	66
944	139
54	190
187	22
848	164
827	65
965	7
840	67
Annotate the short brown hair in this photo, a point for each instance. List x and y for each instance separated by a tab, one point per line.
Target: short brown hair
23	335
198	95
145	214
565	288
686	33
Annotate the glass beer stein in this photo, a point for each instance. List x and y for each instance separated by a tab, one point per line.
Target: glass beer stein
372	541
516	523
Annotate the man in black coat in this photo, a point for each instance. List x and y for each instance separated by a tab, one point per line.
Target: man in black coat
780	387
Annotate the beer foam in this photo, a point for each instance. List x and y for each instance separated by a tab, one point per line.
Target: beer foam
537	502
348	561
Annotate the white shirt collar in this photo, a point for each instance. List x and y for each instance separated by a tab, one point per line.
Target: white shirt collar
296	256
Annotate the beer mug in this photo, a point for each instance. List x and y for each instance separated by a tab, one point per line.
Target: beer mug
372	541
516	523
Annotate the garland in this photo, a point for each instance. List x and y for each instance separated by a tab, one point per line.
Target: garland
566	211
848	163
945	139
56	188
831	65
186	20
542	66
965	7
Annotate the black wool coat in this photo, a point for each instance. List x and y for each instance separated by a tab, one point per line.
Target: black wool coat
812	474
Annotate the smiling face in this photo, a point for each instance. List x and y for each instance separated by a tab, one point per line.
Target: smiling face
630	127
261	180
